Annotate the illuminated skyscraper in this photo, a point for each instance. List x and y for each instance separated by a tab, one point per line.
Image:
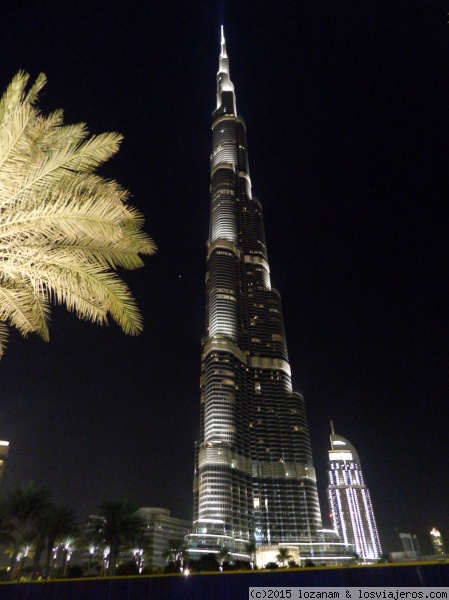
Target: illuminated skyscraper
4	448
254	477
437	542
349	499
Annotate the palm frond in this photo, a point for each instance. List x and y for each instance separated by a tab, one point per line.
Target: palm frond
4	334
69	159
17	306
33	92
63	228
13	149
86	289
83	232
13	95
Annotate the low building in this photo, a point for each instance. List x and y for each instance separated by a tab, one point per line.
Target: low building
161	530
411	549
410	545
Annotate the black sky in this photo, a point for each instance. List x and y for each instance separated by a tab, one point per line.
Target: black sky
346	108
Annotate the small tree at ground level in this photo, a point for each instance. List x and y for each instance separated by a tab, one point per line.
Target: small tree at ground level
118	526
283	556
223	556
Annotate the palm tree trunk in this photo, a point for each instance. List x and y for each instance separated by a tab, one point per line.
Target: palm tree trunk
19	570
112	559
12	564
37	557
15	563
89	564
50	549
53	562
64	562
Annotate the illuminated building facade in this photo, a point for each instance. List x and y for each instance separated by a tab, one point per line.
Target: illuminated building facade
4	449
437	542
349	499
254	477
161	531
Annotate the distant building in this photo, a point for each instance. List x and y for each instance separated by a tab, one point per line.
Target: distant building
410	545
161	530
4	448
437	542
349	499
411	549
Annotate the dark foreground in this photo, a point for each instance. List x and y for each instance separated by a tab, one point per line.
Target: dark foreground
227	586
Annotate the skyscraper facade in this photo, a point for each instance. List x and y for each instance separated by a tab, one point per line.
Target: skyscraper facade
349	499
254	477
437	542
4	448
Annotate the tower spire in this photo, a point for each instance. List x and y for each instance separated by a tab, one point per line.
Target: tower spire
224	83
223	42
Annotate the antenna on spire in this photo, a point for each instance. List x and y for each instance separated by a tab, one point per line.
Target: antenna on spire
223	42
332	428
224	84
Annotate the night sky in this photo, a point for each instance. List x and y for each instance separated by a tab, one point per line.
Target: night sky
346	106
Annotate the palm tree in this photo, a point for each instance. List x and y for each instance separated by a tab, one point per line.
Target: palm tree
142	549
283	556
58	524
68	544
88	540
175	553
170	554
63	228
250	548
20	514
223	555
118	526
